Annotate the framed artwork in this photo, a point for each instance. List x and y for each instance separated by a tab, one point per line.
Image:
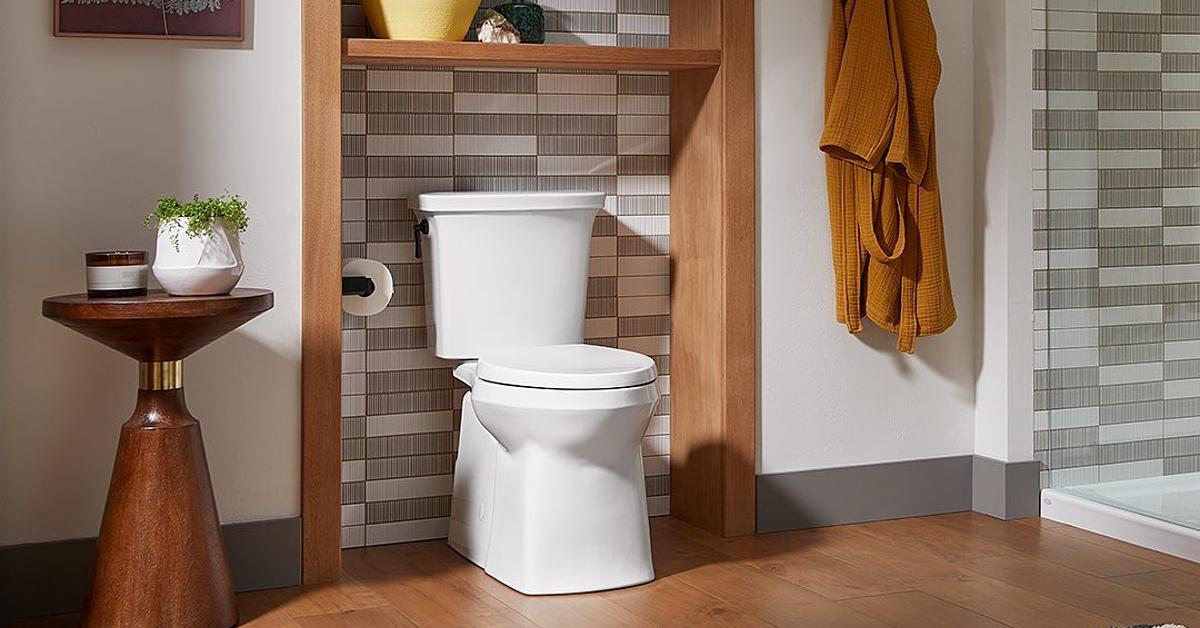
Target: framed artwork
212	20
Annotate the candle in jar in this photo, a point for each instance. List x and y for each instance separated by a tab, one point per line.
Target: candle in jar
116	274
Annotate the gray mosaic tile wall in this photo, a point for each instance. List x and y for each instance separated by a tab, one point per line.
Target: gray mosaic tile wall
1117	239
409	130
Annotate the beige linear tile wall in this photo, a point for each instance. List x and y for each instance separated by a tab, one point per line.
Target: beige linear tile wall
409	130
1116	239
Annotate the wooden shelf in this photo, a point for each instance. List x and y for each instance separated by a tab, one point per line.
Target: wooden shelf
474	54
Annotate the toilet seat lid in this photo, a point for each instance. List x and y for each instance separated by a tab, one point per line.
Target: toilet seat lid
567	367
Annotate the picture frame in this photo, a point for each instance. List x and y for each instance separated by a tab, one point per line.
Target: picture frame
195	20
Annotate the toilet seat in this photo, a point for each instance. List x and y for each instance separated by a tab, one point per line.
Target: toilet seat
567	367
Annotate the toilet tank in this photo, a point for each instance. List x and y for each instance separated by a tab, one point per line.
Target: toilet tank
505	269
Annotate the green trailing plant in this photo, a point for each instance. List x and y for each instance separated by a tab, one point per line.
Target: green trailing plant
200	215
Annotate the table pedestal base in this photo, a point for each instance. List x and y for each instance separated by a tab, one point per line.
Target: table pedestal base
161	559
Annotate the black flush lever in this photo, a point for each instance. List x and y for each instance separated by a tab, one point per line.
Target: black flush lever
358	286
419	229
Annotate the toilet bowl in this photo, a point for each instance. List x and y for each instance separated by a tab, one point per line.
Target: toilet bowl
566	509
549	491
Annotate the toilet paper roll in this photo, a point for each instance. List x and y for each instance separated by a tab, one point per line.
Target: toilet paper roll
378	300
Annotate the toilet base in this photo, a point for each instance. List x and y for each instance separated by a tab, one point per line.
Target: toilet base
560	527
542	520
526	591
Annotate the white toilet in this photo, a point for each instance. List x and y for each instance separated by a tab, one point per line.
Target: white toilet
549	494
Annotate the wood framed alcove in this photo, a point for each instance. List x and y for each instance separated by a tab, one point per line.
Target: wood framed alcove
713	252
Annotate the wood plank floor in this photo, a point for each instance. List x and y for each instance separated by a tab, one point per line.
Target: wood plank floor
960	570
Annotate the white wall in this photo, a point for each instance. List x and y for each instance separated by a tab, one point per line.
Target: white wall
830	399
1004	228
91	132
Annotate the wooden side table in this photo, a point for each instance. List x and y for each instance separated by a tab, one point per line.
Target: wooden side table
160	560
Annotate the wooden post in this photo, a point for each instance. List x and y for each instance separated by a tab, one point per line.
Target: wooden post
714	316
321	318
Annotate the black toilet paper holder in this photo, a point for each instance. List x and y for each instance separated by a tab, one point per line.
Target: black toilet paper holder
358	286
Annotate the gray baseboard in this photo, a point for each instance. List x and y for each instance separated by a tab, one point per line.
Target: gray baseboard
1006	490
829	497
52	578
914	488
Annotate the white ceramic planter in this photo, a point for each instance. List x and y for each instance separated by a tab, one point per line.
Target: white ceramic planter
188	266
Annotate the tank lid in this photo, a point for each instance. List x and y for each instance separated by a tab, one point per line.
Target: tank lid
508	201
570	367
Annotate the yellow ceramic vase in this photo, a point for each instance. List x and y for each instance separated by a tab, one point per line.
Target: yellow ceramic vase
441	20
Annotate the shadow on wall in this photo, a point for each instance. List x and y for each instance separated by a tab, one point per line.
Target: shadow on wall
984	111
937	352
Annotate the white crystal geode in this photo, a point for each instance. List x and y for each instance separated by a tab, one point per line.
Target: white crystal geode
496	29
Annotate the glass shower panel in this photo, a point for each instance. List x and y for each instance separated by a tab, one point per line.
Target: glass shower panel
1172	498
1117	251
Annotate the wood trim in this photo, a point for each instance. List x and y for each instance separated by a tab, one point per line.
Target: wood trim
321	318
740	231
714	359
474	54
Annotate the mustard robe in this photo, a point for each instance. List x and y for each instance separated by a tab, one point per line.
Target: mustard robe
885	214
